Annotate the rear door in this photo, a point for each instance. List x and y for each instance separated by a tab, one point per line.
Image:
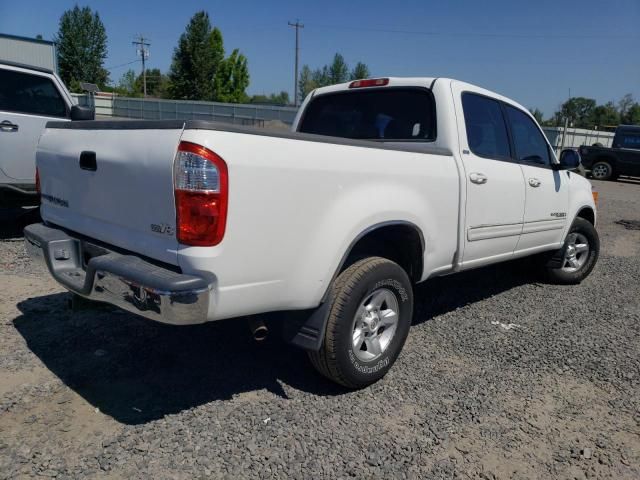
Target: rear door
27	102
495	186
547	190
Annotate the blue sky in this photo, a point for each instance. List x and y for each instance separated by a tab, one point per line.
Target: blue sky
531	51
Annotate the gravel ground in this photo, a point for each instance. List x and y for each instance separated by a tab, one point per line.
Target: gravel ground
503	376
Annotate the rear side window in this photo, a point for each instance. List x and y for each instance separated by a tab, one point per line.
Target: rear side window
531	146
400	114
32	94
629	140
486	130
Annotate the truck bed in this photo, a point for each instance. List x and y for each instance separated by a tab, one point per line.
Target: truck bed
294	201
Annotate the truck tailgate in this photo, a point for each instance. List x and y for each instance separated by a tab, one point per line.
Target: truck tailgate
113	184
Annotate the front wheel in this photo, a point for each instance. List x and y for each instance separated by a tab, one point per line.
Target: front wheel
581	250
369	319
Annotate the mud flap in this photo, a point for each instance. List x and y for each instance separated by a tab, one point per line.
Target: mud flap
555	261
306	328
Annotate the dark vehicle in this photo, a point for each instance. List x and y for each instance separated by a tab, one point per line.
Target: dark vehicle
623	158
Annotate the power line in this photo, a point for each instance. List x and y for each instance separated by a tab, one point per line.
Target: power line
468	34
122	64
297	26
143	51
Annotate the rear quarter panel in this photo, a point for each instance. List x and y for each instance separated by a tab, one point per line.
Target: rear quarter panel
295	207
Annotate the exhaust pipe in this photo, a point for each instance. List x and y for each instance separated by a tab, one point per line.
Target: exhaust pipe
258	329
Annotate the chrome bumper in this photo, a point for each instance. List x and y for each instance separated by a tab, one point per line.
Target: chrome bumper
126	281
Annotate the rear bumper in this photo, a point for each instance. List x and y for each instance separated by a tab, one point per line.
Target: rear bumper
126	281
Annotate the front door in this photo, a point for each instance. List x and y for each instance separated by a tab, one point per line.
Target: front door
547	190
494	183
27	103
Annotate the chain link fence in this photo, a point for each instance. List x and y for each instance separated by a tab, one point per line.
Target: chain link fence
156	109
273	116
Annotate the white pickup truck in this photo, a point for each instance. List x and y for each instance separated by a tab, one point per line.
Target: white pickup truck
29	98
382	183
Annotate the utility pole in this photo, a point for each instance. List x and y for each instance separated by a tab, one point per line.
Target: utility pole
297	26
143	51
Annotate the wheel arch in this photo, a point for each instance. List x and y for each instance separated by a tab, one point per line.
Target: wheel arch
307	330
605	158
383	240
588	214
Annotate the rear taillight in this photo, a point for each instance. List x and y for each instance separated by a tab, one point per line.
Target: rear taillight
371	82
201	189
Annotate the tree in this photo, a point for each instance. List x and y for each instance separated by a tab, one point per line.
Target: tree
127	84
339	70
537	114
156	83
199	70
632	117
281	98
604	115
82	48
360	71
306	84
624	104
232	79
321	76
196	60
579	111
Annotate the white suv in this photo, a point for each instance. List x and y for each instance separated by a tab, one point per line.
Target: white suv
29	98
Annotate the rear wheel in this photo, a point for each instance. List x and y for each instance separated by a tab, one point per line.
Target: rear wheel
602	170
370	316
581	251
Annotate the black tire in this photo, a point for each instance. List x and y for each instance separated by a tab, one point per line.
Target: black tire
336	358
599	166
564	275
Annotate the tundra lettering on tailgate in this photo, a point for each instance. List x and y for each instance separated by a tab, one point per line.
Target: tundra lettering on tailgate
55	200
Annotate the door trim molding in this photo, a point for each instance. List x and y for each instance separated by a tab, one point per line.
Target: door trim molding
485	232
543	225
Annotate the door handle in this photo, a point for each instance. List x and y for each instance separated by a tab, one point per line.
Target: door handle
88	161
478	178
534	182
7	126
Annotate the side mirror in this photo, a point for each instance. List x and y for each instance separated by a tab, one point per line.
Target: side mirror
569	160
79	112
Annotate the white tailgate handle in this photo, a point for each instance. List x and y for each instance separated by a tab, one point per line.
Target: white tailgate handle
534	182
478	178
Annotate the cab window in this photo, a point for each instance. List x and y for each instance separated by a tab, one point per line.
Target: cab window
384	114
628	140
530	144
486	130
31	94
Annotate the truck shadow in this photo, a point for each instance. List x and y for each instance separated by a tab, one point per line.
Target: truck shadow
445	294
13	221
136	370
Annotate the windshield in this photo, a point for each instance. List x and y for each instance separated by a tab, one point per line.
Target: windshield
401	114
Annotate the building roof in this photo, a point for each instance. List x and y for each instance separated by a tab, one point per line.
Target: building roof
26	39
